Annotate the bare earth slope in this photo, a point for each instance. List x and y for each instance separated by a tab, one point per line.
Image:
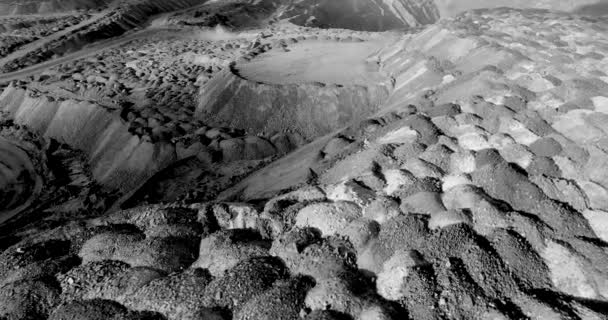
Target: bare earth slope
458	172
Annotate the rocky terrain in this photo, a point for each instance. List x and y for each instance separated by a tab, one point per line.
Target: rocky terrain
32	7
18	32
303	160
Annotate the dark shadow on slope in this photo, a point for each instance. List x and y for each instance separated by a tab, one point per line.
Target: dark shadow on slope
594	10
561	301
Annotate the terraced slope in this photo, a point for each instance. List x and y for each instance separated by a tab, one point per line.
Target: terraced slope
116	18
476	191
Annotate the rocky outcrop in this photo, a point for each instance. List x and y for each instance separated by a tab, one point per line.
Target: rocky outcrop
308	110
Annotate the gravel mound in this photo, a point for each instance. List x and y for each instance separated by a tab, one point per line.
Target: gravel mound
244	281
108	279
28	299
285	300
99	309
176	296
167	253
223	250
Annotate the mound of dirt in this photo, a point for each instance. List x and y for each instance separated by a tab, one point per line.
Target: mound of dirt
287	89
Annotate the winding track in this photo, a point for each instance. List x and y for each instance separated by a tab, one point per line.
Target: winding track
92	50
46	40
85	52
150	29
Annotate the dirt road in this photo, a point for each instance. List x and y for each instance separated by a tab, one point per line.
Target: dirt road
22	51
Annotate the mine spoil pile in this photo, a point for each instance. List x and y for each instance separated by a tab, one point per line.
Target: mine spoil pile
274	167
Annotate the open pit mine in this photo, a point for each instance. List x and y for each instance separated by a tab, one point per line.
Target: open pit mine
303	159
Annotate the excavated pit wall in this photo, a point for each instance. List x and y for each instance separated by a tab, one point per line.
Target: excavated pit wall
308	110
119	160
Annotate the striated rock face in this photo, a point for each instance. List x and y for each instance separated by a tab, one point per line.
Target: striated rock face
118	159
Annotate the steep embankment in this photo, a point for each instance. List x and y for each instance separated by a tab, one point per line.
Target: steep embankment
122	160
118	159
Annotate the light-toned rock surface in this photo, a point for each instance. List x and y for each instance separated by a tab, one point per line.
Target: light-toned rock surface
599	222
330	218
567	272
391	281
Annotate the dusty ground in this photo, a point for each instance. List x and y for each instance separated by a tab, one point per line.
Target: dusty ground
263	170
